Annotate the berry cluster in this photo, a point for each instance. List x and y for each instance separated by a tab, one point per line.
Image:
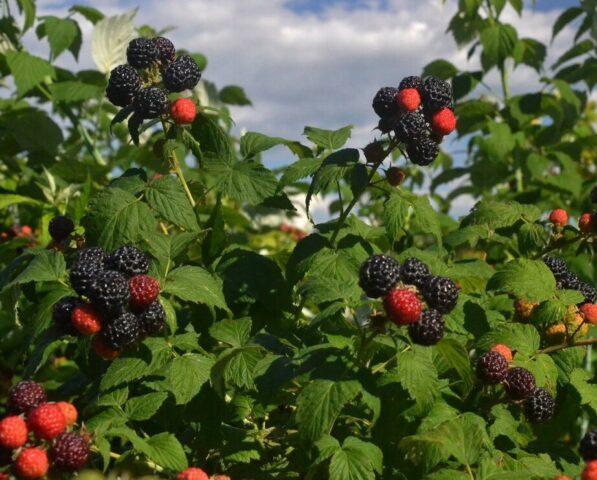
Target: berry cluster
117	300
493	368
153	71
404	289
588	451
419	112
587	222
568	280
38	434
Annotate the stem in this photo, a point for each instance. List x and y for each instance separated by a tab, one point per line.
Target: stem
469	471
555	348
504	79
178	171
559	244
149	463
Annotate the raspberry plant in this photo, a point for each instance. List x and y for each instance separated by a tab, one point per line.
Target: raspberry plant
188	336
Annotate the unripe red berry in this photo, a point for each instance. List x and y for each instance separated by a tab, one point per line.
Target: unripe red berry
409	99
192	473
86	320
585	223
183	111
143	291
590	471
589	312
403	306
443	122
47	421
69	411
395	176
503	350
13	432
31	463
102	350
559	217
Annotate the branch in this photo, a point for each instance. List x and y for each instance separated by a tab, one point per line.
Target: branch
555	348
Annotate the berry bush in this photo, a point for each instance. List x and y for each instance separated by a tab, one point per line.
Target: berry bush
163	313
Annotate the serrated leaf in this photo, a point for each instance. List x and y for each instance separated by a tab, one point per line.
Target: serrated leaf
74	91
520	337
186	375
28	70
194	284
235	367
46	266
498	43
8	199
356	460
395	215
529	280
166	451
234	332
166	196
253	143
145	406
328	139
62	33
110	38
90	13
581	381
300	169
123	370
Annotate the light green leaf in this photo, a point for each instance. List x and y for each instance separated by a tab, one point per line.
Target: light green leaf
186	375
8	199
109	40
523	338
234	332
529	280
356	460
28	71
62	33
166	451
194	284
166	196
328	139
46	266
72	91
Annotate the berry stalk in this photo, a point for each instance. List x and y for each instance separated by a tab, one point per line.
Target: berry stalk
178	171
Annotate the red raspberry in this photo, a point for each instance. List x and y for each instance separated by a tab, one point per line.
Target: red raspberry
86	320
590	471
409	99
144	290
69	411
589	311
4	476
192	473
183	111
47	421
221	477
503	350
102	350
443	122
403	306
585	223
13	432
32	463
559	217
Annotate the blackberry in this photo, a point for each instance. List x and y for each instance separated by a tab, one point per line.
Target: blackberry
384	102
153	318
109	292
388	124
411	126
129	261
142	52
61	314
429	329
414	272
122	331
423	151
152	102
492	368
557	265
588	446
540	406
61	227
588	291
411	82
569	281
437	94
519	383
166	50
25	396
82	275
440	293
69	452
123	85
95	255
378	275
182	74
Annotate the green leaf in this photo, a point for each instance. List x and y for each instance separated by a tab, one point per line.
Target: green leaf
73	91
123	370
500	214
418	375
234	95
166	451
28	8
530	52
425	218
564	19
583	383
8	199
455	355
28	71
194	284
523	338
440	69
300	169
62	33
528	280
517	5
356	460
235	367
576	50
233	332
328	139
46	266
498	43
215	143
167	197
186	375
35	131
253	143
395	215
90	13
320	403
145	406
117	217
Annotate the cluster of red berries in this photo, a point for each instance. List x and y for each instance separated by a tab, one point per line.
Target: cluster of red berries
21	232
117	303
587	223
419	112
494	368
405	289
38	434
194	473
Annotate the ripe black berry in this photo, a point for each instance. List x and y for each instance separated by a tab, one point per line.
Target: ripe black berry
569	281
69	452
422	151
153	318
411	82
540	406
182	74
122	331
557	265
95	255
588	446
129	261
388	124
82	275
109	292
440	293
123	85
429	329
60	228
384	102
519	383
152	102
166	50
61	314
594	195
414	272
411	126
588	292
492	367
437	94
25	396
378	275
142	52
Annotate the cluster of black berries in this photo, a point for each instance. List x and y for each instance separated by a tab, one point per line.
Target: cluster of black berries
153	70
588	446
419	112
117	300
568	280
493	368
403	287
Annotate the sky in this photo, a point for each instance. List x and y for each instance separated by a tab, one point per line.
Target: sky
318	63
